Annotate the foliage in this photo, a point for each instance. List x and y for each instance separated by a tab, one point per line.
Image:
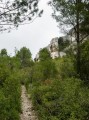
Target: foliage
44	54
4	69
85	61
43	70
60	100
3	53
15	12
48	69
14	63
73	14
24	56
36	73
56	92
63	43
24	75
60	97
10	99
68	13
10	90
65	67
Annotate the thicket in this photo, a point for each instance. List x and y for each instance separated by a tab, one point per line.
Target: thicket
63	43
85	61
10	105
14	71
57	91
10	87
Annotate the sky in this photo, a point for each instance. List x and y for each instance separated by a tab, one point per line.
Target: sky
33	36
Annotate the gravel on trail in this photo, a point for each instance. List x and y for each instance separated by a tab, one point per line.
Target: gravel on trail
28	112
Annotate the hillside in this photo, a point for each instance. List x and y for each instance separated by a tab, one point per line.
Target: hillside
56	91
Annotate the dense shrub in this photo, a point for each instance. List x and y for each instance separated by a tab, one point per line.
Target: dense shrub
85	61
10	106
10	91
48	69
44	54
4	70
60	97
43	70
65	67
63	43
62	100
24	56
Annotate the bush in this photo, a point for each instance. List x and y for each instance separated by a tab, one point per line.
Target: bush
10	103
65	67
62	100
58	94
42	71
85	61
48	69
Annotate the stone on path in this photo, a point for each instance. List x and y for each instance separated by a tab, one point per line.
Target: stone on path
28	112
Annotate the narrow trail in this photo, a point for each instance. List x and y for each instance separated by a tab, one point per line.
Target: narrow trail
28	112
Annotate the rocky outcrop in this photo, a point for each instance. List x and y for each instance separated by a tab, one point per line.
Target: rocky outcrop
53	48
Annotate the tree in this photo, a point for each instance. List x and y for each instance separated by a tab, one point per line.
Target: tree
4	70
85	61
3	53
17	12
73	14
24	56
63	43
48	68
44	54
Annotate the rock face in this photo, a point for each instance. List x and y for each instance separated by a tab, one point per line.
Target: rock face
37	57
53	48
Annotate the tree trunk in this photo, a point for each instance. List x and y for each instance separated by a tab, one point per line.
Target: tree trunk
78	39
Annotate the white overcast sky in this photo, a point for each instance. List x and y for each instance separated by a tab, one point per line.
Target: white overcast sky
34	36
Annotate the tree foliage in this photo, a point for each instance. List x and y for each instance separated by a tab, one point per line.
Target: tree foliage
61	99
44	54
65	12
24	56
73	14
63	43
17	12
3	53
85	61
42	71
10	89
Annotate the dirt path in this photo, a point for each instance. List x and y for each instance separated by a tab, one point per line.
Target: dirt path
27	108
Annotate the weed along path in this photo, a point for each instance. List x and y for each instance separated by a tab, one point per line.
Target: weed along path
28	112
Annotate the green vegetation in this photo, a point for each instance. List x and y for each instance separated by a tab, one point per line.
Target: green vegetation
60	100
3	52
13	72
56	90
19	13
9	89
85	61
44	54
59	88
73	14
24	56
63	43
